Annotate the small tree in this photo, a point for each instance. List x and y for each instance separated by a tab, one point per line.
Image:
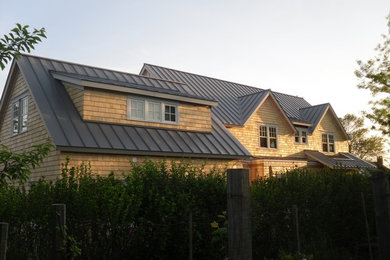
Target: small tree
374	75
362	145
19	39
18	166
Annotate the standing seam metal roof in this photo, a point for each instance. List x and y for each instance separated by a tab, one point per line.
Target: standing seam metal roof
69	131
236	101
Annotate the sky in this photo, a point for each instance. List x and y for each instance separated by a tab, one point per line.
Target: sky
299	47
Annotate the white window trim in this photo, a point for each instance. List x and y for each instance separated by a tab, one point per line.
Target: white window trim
268	136
20	118
300	130
146	103
328	143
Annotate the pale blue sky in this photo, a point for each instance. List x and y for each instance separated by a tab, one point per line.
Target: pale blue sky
304	48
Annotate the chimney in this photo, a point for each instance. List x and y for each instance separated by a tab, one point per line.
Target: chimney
379	160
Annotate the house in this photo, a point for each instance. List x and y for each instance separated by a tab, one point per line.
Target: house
109	118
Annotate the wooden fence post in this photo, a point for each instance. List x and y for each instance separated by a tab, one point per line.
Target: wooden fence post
3	240
239	215
58	222
380	185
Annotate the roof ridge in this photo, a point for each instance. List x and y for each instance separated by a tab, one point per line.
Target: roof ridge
264	90
287	94
315	106
195	74
95	67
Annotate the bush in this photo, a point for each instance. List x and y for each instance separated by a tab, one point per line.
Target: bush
331	217
141	215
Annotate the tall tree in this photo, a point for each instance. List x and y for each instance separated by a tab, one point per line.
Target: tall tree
361	144
19	39
374	75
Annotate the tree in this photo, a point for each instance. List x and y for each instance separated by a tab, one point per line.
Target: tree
363	146
18	166
19	39
374	75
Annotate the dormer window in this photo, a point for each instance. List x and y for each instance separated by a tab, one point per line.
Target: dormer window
19	115
142	109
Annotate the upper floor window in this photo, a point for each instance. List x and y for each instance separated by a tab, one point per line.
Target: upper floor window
19	115
151	110
301	136
328	143
268	137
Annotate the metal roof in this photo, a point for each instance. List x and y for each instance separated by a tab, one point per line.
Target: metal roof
314	114
236	101
69	132
340	160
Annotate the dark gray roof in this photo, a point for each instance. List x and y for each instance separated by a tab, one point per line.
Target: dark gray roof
136	81
70	132
313	114
236	101
340	160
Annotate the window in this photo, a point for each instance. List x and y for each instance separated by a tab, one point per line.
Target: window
151	110
301	136
170	113
19	115
268	137
328	143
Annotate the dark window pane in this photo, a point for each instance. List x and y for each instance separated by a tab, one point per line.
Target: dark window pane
263	142
272	143
325	147
331	148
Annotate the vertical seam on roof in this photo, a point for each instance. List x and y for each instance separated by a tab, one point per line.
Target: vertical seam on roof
108	140
151	138
113	130
130	138
146	143
44	93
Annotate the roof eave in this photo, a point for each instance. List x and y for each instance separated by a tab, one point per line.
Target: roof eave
148	153
104	86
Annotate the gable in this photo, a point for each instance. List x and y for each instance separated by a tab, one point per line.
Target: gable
269	112
330	123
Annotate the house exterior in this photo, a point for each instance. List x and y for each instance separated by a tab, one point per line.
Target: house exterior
109	118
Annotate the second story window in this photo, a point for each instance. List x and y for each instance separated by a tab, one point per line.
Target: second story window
328	144
151	110
268	137
19	115
301	136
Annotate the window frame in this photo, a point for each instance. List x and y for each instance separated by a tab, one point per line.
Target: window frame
300	136
146	111
328	143
23	107
269	137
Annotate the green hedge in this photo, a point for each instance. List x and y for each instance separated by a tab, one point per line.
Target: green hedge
330	214
143	215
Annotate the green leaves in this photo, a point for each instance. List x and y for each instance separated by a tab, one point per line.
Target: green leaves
362	144
20	39
374	75
18	166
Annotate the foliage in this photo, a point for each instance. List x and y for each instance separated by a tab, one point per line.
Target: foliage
19	39
18	166
363	146
374	75
330	215
140	215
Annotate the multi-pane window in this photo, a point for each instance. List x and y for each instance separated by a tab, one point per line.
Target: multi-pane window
137	109
19	115
154	111
268	137
151	110
328	144
170	113
301	136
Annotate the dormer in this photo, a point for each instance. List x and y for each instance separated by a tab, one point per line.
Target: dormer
144	102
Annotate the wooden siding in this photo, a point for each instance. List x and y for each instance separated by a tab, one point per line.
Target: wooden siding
103	164
36	132
111	107
269	114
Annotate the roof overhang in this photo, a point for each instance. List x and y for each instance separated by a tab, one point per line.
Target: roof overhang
73	82
329	108
147	153
298	123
